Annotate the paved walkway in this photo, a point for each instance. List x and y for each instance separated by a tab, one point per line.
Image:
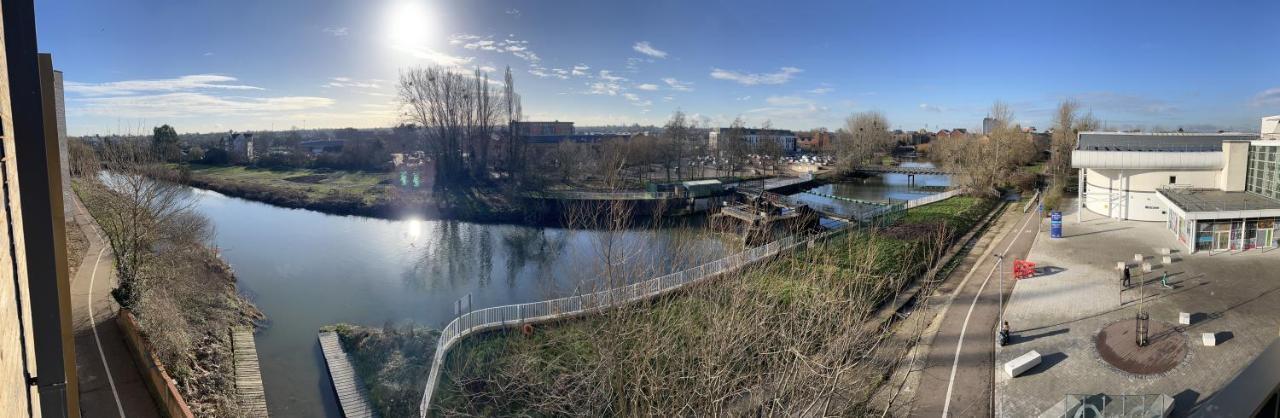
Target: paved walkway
957	378
1059	315
110	384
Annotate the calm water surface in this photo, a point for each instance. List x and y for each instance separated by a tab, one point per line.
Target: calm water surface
877	188
306	270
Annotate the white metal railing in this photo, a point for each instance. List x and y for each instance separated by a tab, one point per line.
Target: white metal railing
518	314
933	198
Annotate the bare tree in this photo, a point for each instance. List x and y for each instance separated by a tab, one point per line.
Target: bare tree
457	114
864	136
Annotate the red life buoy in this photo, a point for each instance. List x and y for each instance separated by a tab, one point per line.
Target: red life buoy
527	329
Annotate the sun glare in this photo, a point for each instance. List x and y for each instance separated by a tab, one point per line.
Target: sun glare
409	23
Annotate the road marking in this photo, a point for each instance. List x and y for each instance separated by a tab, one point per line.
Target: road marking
946	406
93	325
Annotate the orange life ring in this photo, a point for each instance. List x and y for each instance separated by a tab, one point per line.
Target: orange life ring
527	329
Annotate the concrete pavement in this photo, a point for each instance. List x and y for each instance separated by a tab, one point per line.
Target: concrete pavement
110	383
957	379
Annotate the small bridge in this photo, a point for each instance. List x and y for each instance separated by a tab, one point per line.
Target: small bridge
896	169
352	397
248	383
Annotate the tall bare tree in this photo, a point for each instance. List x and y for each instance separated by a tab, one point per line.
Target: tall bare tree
864	135
457	113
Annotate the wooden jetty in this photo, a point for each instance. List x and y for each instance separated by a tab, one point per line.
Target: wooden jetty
352	398
250	394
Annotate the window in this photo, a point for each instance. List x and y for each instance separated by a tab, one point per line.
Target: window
1173	179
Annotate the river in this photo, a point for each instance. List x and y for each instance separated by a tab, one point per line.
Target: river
305	270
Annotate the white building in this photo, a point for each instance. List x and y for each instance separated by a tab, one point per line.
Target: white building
1215	192
1271	127
752	136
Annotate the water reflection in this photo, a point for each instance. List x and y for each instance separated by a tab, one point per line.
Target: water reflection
306	270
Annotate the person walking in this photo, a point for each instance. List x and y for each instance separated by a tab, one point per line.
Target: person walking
1126	282
1164	280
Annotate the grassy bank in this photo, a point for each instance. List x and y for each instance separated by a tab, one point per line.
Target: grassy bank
185	299
338	192
392	361
785	338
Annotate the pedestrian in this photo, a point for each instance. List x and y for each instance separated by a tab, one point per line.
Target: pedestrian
1126	281
1164	280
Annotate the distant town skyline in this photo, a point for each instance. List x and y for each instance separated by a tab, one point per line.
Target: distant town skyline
244	65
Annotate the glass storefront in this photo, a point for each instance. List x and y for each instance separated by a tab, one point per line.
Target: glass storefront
1227	234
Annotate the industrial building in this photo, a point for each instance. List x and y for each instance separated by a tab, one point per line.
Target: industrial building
1215	192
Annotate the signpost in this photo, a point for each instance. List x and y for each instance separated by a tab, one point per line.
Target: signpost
1055	224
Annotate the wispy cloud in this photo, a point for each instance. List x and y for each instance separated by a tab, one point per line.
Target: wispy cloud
677	85
337	31
931	108
187	82
488	68
183	104
608	76
783	75
644	47
208	54
788	101
513	12
519	48
637	100
605	88
347	82
821	90
580	70
434	56
1268	97
647	86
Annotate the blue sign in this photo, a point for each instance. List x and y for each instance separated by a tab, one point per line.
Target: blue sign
1055	224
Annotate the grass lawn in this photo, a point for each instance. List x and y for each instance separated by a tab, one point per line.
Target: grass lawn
314	183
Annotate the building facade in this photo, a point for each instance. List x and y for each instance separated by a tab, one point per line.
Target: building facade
752	136
1215	192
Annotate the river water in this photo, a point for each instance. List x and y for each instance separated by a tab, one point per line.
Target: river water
887	187
306	269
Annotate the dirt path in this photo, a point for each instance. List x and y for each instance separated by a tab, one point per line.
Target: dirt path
110	384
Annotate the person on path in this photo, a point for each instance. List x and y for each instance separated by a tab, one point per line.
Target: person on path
1126	282
1164	280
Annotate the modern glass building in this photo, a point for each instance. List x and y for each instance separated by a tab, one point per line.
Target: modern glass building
1228	220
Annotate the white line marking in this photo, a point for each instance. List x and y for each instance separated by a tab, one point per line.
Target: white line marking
946	406
93	324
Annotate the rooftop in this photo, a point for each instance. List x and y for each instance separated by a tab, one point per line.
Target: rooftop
1213	200
1158	142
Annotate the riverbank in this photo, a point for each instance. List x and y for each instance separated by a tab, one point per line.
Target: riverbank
358	193
186	303
781	332
393	362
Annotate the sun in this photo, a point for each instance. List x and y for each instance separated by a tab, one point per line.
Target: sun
409	23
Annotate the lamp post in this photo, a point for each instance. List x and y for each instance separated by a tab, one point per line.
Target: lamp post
1000	288
1142	317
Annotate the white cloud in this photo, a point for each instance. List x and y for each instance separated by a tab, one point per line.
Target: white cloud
643	47
606	88
435	56
677	85
647	86
509	45
1268	97
783	75
788	101
182	104
345	82
488	68
821	90
608	76
337	31
637	100
930	108
580	70
187	82
514	12
743	98
208	54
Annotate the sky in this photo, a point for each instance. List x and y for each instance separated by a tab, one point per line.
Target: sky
206	66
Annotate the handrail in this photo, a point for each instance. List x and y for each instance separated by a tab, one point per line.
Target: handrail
547	310
1033	200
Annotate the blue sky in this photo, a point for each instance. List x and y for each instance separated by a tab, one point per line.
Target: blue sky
250	65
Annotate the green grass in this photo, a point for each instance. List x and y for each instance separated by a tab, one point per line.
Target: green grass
316	184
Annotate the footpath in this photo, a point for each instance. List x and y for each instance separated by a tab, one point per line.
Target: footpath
110	383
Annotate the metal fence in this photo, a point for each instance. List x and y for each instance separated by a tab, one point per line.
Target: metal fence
933	198
515	315
586	195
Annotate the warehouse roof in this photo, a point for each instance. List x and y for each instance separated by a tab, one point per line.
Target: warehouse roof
1157	142
1213	200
